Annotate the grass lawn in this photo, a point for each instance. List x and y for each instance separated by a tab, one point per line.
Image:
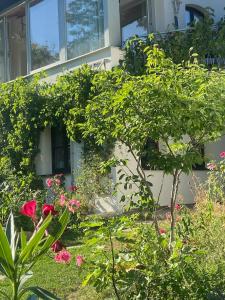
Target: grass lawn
62	280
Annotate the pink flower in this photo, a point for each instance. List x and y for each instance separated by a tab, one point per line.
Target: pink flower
62	200
29	209
162	231
49	209
178	207
168	216
222	154
73	205
73	188
63	257
211	166
49	182
80	260
57	181
57	247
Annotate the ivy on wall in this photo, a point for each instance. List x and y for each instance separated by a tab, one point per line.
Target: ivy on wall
27	106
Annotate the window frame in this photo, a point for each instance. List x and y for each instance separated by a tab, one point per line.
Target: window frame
192	11
149	18
62	36
66	146
155	147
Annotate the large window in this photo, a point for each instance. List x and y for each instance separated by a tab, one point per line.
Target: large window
44	32
38	33
134	18
148	159
2	52
85	26
16	29
193	15
60	151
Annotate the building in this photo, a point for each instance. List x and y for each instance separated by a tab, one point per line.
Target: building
60	35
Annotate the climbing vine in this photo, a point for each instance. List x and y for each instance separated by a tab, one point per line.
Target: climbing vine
28	105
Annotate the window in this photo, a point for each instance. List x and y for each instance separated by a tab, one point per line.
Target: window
2	52
60	151
17	57
193	15
134	18
201	166
44	33
148	157
85	26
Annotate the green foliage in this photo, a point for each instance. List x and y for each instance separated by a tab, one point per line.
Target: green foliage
18	255
204	38
91	182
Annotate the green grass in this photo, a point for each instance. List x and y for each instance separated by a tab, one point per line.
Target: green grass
62	280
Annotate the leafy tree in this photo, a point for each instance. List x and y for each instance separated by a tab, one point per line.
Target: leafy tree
182	107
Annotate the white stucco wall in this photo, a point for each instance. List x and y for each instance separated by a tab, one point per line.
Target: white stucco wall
164	12
106	58
187	183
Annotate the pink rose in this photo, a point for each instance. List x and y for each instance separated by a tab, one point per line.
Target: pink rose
80	260
178	207
63	256
57	247
49	182
222	154
62	200
57	181
211	166
49	209
162	231
29	209
73	205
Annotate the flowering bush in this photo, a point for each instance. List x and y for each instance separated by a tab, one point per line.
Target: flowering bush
19	254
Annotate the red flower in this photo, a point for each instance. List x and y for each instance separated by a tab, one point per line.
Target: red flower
73	188
49	209
49	182
178	207
222	154
80	260
29	209
63	257
57	247
162	231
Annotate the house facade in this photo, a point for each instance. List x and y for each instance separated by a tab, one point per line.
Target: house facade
61	35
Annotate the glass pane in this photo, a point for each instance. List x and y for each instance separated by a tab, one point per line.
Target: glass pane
134	19
85	26
44	31
16	22
2	52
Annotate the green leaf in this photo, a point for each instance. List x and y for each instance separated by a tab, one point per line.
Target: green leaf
24	279
34	241
11	234
62	223
6	259
23	239
42	293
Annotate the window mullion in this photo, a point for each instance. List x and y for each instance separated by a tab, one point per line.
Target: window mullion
62	29
28	37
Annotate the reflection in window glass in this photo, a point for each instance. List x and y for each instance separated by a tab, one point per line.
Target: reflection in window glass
44	31
134	19
192	15
85	26
60	150
2	52
16	26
